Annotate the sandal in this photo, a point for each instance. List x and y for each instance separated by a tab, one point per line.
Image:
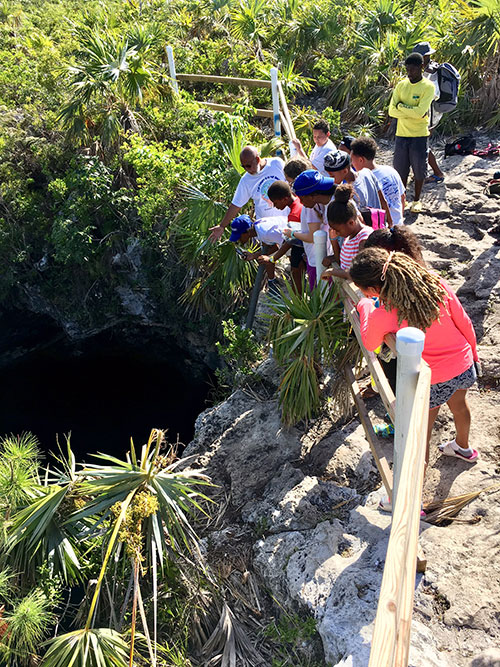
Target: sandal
385	505
448	450
434	179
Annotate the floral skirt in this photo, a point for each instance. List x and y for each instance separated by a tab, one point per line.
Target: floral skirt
441	392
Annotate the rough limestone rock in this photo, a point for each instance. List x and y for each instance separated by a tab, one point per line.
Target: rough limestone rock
304	500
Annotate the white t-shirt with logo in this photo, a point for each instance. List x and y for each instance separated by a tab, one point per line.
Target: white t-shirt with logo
318	153
308	216
256	186
270	230
392	188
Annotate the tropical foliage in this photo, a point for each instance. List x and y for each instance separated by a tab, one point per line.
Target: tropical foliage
118	520
308	333
96	151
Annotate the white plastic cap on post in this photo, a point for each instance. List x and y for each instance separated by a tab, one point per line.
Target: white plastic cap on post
320	237
410	342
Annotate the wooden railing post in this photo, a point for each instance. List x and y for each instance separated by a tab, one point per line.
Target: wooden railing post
276	102
409	348
254	296
319	252
171	67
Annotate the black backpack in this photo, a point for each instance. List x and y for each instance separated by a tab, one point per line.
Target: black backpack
461	146
448	80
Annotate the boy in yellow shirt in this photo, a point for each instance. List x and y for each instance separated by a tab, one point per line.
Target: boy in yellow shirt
410	104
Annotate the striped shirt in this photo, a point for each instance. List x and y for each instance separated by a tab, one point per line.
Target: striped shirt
350	247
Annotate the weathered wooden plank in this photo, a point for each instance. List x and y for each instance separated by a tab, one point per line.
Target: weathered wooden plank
378	454
391	637
289	124
262	113
228	80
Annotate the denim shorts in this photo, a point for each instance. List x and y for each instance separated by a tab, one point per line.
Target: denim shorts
411	152
443	391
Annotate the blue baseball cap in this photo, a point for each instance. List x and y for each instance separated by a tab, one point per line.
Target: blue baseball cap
310	181
239	226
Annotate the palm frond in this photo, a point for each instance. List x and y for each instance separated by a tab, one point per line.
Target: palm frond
98	647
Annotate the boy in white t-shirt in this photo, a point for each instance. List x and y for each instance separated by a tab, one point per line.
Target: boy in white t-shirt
254	184
269	231
322	145
363	151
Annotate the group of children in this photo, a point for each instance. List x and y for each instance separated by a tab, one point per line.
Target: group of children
383	258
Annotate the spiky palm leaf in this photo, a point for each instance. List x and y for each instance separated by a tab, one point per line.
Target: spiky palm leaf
98	647
108	81
176	492
37	535
307	331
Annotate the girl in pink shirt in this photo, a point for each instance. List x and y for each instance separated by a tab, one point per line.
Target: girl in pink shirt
410	295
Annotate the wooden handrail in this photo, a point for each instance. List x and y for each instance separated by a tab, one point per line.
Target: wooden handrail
289	123
391	636
228	80
262	113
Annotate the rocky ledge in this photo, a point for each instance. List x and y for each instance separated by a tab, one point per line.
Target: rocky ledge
305	499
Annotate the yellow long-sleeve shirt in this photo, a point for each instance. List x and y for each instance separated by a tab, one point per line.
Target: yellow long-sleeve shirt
410	104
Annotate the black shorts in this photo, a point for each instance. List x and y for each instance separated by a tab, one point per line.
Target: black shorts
411	152
296	256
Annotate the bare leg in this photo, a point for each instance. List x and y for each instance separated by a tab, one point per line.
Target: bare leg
434	165
418	188
297	277
461	414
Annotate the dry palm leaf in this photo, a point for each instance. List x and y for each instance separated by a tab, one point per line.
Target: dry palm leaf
230	643
447	509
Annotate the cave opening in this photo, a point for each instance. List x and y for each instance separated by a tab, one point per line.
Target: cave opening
103	390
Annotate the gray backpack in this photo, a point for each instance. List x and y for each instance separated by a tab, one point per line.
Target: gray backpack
448	80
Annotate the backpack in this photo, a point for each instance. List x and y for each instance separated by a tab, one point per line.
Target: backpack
448	80
462	146
373	217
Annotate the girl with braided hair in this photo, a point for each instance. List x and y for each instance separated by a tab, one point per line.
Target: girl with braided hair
344	219
410	295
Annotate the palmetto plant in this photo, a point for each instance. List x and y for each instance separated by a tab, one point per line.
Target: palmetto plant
217	280
108	82
248	22
39	533
307	332
145	504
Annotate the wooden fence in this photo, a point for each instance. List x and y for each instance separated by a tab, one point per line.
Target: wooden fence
279	116
391	636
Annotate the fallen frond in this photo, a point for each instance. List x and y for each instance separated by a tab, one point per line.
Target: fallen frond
447	509
229	644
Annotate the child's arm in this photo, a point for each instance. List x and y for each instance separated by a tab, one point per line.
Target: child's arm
335	273
375	323
461	320
303	236
384	205
282	250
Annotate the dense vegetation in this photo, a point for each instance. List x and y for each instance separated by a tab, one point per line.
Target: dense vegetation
109	181
95	150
